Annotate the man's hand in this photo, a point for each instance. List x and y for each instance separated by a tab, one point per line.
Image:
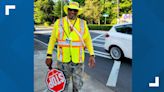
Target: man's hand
91	62
49	62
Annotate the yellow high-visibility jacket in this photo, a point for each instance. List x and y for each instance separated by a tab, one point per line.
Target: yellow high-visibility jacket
69	45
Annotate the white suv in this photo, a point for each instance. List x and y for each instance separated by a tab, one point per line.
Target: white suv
118	41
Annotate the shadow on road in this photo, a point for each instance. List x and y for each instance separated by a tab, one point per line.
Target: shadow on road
127	60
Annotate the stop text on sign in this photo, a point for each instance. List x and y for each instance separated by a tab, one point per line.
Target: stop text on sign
56	79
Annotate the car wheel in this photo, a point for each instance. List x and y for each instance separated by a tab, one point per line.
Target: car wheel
116	53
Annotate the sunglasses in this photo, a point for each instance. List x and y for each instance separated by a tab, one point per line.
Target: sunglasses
75	10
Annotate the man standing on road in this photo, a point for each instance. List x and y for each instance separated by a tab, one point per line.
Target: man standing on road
72	36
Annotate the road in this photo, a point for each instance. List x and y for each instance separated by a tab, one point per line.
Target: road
104	63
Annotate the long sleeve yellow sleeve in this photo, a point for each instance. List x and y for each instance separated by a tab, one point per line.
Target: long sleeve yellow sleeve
52	39
88	40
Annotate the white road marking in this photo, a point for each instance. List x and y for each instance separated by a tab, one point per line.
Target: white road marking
97	37
41	42
112	80
42	32
102	38
104	56
96	52
104	53
98	45
100	55
99	40
156	83
43	28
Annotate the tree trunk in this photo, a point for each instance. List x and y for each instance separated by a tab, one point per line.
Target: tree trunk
99	21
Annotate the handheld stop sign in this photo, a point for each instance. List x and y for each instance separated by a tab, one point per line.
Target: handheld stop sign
55	80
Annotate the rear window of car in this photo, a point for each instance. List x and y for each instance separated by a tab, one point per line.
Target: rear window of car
127	29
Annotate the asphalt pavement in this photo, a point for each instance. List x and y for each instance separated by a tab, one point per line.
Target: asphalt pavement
100	73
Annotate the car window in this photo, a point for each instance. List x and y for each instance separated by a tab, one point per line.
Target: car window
127	29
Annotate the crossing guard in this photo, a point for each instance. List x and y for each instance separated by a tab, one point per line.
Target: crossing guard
72	35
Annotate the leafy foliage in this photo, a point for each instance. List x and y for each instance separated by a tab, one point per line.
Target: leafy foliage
43	11
93	10
57	9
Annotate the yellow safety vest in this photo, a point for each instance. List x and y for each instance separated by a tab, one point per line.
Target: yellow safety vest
70	47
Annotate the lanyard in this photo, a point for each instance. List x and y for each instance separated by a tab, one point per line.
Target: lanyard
76	32
69	27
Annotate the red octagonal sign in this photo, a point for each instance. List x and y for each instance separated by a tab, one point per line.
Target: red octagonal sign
55	80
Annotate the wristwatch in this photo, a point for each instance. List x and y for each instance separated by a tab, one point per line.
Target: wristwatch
92	55
49	56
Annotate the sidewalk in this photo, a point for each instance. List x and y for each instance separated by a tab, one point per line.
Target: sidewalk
40	71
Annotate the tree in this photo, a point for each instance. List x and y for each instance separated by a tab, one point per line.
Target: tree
81	2
43	11
92	10
110	7
57	9
38	14
125	6
47	8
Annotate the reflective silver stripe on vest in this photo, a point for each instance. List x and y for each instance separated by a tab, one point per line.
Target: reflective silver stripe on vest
82	26
65	43
60	37
61	29
82	32
80	56
77	44
60	58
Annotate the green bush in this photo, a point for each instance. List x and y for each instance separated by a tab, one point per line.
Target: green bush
47	24
99	27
